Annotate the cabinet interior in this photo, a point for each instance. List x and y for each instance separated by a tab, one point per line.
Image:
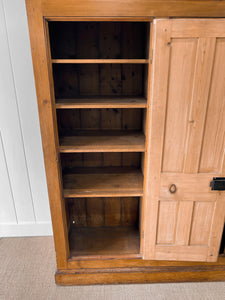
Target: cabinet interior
104	40
100	75
103	226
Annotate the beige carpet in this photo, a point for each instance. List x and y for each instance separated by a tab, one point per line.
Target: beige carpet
27	268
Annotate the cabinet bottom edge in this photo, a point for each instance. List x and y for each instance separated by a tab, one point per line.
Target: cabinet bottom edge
138	276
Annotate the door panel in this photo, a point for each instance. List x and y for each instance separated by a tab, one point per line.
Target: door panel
183	217
181	75
213	141
166	230
201	223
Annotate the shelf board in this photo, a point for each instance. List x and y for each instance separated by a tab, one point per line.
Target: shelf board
106	102
100	61
116	142
100	242
103	184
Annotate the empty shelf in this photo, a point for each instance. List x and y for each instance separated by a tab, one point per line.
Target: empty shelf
107	102
104	184
100	61
129	142
104	241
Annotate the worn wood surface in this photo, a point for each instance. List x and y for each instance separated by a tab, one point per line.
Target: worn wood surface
103	143
130	8
155	131
44	90
103	184
188	113
104	241
74	161
102	102
93	80
139	271
87	80
101	212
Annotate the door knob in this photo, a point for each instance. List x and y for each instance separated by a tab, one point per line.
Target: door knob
173	188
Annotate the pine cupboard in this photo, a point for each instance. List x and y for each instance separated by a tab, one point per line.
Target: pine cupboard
131	99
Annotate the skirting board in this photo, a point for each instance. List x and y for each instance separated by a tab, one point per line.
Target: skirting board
26	229
153	274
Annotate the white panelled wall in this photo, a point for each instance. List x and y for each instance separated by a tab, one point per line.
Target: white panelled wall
24	207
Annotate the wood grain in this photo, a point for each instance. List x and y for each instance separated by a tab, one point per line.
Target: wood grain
47	116
184	220
102	241
130	211
201	223
74	161
106	102
140	271
113	211
103	143
103	212
95	213
103	184
192	144
218	225
98	80
190	187
199	102
156	265
180	82
128	8
155	130
78	78
166	222
186	28
213	142
182	253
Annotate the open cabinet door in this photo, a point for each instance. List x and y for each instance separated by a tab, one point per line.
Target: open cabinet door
183	218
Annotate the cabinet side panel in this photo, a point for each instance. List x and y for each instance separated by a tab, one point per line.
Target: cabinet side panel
48	130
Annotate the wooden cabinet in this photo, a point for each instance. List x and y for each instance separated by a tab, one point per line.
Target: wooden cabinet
132	119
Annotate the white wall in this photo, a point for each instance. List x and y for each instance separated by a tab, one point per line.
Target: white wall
24	208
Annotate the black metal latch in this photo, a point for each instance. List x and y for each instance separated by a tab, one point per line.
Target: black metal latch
218	184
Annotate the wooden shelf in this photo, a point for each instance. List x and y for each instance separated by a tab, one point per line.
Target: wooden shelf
127	142
97	242
106	102
103	183
100	61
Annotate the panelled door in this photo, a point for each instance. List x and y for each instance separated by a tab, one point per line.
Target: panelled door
183	218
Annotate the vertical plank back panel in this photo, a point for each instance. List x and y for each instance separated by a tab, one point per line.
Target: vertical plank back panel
95	212
112	211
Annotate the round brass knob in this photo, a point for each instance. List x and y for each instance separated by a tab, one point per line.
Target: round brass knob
173	188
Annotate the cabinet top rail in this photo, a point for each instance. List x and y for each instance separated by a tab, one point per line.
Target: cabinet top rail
129	8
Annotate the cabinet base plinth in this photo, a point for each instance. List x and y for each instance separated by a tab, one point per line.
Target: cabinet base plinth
149	274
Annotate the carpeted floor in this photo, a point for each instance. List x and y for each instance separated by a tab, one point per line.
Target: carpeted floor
27	268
